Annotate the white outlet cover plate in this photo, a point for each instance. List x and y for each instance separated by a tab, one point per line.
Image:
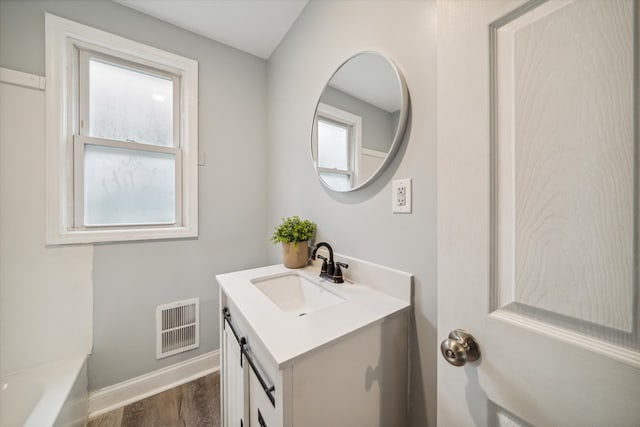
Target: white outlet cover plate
401	195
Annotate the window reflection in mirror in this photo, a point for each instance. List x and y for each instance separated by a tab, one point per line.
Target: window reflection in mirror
335	146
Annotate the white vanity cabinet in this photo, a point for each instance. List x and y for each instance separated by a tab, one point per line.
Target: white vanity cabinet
346	365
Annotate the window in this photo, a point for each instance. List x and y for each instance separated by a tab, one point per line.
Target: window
121	138
338	135
335	153
126	149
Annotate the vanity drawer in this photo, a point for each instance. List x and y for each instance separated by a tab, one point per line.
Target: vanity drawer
261	411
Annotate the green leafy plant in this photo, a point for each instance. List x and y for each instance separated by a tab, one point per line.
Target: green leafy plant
294	230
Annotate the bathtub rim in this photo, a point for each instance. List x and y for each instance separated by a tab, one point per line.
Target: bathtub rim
57	379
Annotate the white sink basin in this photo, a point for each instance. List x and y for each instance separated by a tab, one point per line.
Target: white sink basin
296	295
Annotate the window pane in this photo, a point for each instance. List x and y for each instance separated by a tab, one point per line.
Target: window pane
123	186
337	181
129	105
333	146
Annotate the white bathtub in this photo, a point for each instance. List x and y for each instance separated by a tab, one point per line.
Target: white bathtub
54	394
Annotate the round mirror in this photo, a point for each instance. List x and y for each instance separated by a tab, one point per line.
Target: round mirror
359	122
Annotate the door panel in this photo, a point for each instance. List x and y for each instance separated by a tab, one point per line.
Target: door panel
235	372
538	211
565	167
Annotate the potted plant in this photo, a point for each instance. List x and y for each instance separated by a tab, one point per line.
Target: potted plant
294	234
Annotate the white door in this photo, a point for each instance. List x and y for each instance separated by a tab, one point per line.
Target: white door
538	212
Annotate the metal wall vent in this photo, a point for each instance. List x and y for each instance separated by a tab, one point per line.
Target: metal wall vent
177	327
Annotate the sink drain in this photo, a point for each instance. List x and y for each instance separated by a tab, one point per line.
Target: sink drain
302	314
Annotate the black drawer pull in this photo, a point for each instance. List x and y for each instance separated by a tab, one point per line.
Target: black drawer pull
244	349
261	420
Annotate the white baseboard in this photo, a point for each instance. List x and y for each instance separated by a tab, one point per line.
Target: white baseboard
121	394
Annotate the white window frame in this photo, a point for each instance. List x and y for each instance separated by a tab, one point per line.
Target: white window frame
347	119
66	41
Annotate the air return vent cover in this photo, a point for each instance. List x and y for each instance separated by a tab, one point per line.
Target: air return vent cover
177	327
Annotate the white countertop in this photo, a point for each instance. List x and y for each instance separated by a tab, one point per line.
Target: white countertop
288	338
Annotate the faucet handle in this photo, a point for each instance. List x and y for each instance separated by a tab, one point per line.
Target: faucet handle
323	269
337	273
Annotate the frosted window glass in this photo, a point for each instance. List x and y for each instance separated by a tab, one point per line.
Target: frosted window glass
123	186
337	181
129	105
333	146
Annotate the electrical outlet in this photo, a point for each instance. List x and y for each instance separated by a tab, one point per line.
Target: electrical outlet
401	196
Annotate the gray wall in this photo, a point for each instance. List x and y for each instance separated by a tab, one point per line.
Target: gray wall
361	223
131	279
377	130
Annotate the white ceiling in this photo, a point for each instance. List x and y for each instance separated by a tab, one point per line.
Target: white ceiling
253	26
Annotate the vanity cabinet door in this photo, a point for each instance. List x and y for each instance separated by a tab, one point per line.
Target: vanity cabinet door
262	413
235	380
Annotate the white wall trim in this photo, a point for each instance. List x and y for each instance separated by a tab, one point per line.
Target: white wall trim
118	395
373	153
19	78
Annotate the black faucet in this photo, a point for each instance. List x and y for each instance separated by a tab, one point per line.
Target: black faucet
329	270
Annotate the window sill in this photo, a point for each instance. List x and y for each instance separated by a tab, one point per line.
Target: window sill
130	234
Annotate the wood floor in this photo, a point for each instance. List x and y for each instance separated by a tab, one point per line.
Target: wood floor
194	404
